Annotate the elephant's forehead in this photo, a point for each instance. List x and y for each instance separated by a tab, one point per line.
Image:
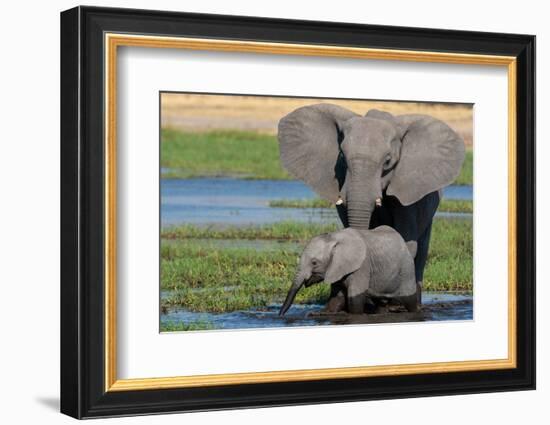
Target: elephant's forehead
369	128
316	244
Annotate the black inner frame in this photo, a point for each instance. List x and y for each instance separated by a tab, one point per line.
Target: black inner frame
82	208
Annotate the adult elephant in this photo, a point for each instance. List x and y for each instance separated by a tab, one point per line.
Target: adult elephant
378	168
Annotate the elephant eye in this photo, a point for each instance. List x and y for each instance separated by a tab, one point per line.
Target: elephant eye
387	161
314	262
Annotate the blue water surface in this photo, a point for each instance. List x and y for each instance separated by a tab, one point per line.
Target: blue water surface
231	201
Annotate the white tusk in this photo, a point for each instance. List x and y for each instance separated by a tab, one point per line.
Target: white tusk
339	201
378	202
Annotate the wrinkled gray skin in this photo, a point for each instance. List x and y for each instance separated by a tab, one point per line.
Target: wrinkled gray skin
362	265
378	168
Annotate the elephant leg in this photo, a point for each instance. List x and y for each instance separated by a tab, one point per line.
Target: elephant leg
423	246
356	304
414	222
410	302
357	298
370	306
337	300
382	306
427	208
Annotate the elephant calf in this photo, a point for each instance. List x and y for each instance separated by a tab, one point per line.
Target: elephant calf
362	265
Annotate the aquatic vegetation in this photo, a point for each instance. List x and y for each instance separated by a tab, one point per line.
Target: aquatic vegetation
283	230
466	176
228	277
182	326
446	205
456	206
450	258
301	203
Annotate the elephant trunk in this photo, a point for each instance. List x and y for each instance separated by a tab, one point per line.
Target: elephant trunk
363	192
296	285
359	212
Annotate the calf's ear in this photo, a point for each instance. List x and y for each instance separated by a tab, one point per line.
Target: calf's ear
347	256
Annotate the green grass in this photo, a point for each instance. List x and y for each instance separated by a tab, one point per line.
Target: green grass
225	278
466	176
446	205
450	258
284	230
182	326
456	205
221	153
301	203
230	278
242	154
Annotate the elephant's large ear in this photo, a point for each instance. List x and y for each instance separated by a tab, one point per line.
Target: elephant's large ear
309	146
348	254
431	158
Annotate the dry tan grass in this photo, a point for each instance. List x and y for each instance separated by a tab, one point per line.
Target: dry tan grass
197	112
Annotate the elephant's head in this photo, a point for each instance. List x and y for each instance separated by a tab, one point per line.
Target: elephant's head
351	159
328	257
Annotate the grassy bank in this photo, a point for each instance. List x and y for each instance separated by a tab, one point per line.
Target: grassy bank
446	205
466	176
450	258
229	277
235	153
284	230
221	153
456	205
181	326
301	203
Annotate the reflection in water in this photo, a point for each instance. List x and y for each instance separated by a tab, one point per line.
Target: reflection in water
232	201
436	306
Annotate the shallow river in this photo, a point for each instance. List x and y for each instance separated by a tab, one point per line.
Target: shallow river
229	201
437	306
240	202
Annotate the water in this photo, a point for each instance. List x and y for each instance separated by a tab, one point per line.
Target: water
436	306
231	201
458	192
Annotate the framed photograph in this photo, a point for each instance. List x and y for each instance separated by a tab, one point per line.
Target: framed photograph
261	212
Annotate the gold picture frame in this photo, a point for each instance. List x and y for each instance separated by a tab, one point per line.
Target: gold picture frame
91	39
114	41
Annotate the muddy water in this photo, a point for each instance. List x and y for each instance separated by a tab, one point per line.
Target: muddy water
436	306
232	201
